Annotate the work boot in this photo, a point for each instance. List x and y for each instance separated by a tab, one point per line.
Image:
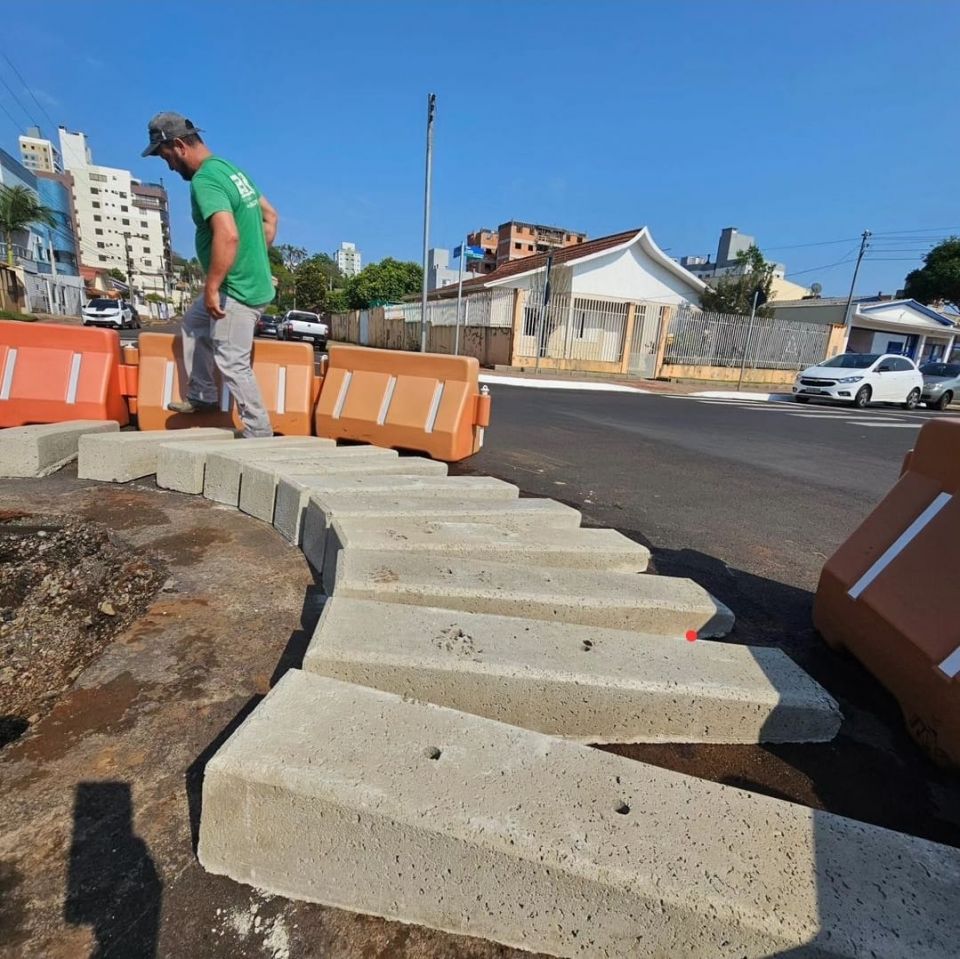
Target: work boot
193	406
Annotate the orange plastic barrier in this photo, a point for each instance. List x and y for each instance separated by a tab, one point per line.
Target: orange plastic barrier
417	401
51	373
284	372
890	593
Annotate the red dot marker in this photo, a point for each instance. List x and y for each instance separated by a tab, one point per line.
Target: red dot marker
691	635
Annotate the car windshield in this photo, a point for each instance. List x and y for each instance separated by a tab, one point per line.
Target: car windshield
852	361
940	369
304	317
103	304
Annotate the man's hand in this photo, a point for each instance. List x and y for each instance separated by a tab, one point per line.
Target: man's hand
211	300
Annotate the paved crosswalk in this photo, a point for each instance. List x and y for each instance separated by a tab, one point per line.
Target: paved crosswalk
873	418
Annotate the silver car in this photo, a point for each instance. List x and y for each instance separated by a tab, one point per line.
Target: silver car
941	384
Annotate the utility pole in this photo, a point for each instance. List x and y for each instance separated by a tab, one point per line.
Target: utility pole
431	115
865	237
746	346
463	257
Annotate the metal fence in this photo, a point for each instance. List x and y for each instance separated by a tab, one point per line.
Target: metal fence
727	339
487	308
573	328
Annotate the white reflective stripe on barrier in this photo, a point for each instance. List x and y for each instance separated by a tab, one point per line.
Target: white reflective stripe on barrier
951	665
168	373
342	395
282	390
387	400
898	546
434	409
74	377
8	369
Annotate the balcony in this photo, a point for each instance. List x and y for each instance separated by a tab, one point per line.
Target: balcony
21	257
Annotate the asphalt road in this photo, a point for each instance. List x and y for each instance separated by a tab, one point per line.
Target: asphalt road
749	499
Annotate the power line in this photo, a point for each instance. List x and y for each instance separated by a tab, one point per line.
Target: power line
848	258
27	88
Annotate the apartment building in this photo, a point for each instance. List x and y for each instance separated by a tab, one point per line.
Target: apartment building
38	154
516	240
348	259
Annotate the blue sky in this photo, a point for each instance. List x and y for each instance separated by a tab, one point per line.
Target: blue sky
798	122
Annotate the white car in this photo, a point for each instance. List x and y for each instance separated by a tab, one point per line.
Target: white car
301	325
860	379
114	314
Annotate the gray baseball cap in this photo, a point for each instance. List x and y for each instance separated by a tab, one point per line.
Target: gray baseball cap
167	126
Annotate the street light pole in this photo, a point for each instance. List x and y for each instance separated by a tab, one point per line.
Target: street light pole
463	256
746	346
863	249
431	114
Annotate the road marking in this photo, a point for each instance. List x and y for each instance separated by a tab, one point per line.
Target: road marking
951	665
888	424
899	544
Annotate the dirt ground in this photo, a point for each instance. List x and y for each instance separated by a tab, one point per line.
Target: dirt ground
100	794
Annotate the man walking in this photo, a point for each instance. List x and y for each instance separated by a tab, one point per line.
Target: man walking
234	225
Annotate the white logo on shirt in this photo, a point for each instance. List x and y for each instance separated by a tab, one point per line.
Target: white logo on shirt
243	186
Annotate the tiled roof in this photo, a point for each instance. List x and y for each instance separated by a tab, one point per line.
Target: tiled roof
565	254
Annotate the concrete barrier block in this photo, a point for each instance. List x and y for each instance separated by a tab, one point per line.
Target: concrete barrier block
45	447
259	480
579	682
294	491
523	514
120	457
180	466
643	603
596	549
221	481
361	800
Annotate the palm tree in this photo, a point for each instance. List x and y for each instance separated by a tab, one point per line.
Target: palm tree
19	207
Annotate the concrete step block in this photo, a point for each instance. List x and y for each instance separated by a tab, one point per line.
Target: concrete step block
181	466
43	448
582	683
321	510
361	800
121	457
293	492
259	480
644	603
596	549
221	482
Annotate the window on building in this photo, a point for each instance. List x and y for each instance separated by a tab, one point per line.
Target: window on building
125	222
93	189
143	224
98	231
529	246
95	204
518	246
579	239
103	259
101	245
98	178
124	209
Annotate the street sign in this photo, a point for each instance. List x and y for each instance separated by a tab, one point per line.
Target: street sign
473	252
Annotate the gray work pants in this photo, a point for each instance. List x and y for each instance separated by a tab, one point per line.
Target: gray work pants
226	342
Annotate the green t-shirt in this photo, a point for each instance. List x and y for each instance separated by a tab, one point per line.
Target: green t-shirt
219	186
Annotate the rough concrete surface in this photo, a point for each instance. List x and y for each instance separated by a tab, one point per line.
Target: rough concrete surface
293	492
121	457
259	481
221	482
321	511
43	448
644	603
579	682
361	799
593	549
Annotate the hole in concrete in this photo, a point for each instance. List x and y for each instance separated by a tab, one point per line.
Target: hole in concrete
67	588
431	752
586	646
622	808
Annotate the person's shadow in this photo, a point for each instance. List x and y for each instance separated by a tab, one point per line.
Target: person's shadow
112	883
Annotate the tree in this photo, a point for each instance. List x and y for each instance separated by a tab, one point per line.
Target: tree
734	292
117	274
337	301
290	256
19	208
313	282
385	282
939	277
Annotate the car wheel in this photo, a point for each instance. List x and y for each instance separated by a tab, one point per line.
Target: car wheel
801	399
862	399
943	402
912	400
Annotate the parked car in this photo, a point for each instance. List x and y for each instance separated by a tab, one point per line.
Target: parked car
941	383
267	325
300	325
860	379
113	314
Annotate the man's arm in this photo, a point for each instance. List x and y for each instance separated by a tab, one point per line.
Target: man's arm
270	220
226	239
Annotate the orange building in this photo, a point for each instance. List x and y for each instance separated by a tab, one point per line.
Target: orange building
515	240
